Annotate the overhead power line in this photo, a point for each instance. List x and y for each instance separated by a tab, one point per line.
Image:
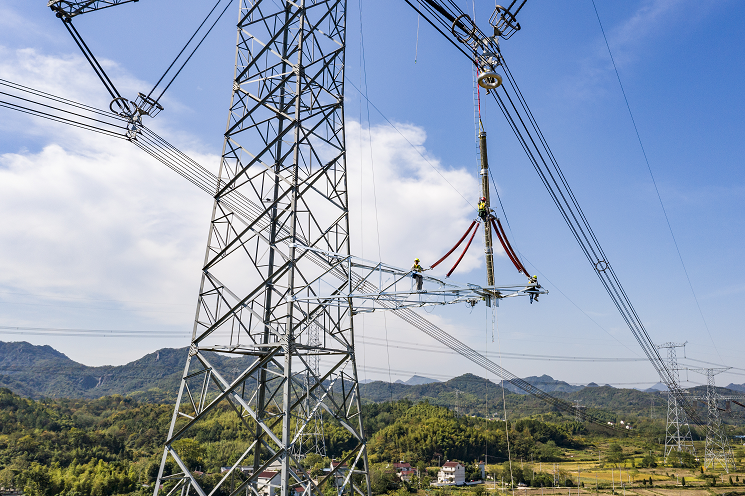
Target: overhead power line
101	333
523	124
522	356
249	211
654	182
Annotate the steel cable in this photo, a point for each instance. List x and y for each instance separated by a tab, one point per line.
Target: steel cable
552	177
63	120
556	184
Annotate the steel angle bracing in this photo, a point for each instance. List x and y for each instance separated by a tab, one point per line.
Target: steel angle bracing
72	8
387	282
277	168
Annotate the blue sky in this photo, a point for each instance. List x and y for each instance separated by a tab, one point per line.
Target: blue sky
97	236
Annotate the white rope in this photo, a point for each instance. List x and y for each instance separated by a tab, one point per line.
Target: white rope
416	48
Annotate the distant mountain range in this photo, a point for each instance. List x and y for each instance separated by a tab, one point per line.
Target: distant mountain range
544	383
737	387
42	371
417	380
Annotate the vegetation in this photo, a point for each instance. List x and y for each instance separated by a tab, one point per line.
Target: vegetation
112	445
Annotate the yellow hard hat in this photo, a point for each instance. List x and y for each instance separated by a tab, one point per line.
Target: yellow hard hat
535	277
416	259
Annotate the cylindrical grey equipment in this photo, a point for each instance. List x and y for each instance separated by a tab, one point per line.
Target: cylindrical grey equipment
485	193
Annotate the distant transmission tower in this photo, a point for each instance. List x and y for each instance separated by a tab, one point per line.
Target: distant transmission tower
718	450
285	358
678	433
579	411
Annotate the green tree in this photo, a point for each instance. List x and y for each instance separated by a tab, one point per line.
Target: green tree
649	461
189	451
615	453
548	452
682	481
382	479
36	481
7	478
684	459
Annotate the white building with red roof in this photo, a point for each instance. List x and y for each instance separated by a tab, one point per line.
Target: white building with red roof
268	482
452	473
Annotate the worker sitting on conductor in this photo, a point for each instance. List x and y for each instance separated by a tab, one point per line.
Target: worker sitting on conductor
416	274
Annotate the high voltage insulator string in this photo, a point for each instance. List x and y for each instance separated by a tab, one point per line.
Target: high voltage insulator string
446	14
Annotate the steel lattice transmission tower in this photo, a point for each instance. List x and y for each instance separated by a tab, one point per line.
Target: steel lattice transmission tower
718	449
678	436
264	351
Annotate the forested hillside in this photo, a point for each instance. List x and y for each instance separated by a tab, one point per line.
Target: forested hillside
42	372
112	445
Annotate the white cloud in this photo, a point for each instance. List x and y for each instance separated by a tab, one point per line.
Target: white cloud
102	221
90	216
629	40
68	76
93	217
420	212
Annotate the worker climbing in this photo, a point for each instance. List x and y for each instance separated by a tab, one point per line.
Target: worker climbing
483	209
486	216
416	274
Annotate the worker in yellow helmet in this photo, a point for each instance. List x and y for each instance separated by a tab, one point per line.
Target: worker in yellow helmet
483	211
533	281
416	274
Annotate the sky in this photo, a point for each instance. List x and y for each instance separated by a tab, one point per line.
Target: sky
96	235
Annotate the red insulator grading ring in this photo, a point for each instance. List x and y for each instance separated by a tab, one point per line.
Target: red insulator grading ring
601	266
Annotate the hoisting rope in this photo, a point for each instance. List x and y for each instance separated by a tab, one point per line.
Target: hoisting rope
454	247
464	250
507	246
478	98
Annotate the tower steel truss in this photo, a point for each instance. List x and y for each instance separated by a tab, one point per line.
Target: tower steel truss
678	436
270	355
